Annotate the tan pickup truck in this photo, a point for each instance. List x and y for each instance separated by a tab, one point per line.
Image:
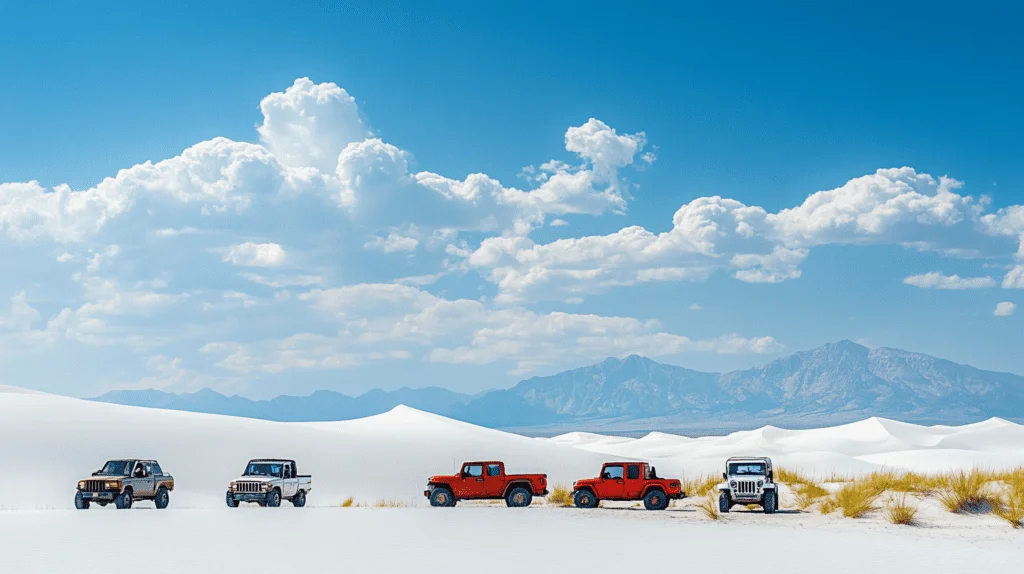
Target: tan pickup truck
124	482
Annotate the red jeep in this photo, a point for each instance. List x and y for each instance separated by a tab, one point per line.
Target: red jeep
485	481
627	481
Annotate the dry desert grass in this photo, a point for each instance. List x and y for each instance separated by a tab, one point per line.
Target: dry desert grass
561	495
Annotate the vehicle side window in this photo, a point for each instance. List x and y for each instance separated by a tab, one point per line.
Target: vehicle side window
287	471
633	472
612	472
493	470
148	468
156	468
473	470
137	470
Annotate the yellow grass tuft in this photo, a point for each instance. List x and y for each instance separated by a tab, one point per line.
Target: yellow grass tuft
708	506
828	505
964	491
899	512
348	502
808	493
701	485
855	499
561	495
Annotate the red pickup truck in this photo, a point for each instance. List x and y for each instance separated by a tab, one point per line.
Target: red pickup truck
485	480
627	481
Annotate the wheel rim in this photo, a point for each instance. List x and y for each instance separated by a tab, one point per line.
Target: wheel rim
519	498
442	498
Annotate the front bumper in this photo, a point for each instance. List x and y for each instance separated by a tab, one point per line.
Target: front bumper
248	496
678	496
99	496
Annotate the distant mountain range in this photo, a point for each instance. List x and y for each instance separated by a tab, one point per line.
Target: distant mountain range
835	383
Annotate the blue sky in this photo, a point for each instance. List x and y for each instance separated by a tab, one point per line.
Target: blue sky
308	218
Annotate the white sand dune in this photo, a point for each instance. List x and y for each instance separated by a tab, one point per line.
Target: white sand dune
47	442
848	449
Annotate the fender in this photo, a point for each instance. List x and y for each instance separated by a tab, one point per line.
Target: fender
517	484
651	487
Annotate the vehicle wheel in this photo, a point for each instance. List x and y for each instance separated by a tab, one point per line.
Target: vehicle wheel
769	502
442	497
230	500
584	499
80	502
655	500
299	500
723	502
274	498
124	500
519	497
163	498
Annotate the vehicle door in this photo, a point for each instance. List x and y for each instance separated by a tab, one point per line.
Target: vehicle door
634	481
144	484
612	484
289	484
471	481
494	480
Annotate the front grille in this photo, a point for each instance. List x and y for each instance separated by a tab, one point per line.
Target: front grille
95	486
746	487
248	487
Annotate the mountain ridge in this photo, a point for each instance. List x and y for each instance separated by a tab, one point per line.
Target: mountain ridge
834	383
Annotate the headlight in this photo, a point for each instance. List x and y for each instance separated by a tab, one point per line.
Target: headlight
268	487
760	483
112	484
732	484
231	486
81	485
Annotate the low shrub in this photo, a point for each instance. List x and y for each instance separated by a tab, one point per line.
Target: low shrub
561	495
708	506
855	498
808	493
898	511
348	502
967	492
701	485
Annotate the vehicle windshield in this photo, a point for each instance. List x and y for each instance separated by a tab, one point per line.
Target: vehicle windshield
748	468
263	469
116	468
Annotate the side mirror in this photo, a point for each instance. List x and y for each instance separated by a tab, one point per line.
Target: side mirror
725	476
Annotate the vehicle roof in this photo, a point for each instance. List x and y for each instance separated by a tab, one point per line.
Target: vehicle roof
625	462
132	459
272	460
483	462
740	458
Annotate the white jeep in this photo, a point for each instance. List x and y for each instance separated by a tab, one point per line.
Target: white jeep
268	481
748	480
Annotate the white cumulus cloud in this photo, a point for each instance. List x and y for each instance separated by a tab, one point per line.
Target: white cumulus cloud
1004	309
936	280
251	254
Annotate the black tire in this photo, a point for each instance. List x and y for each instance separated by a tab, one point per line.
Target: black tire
585	499
163	498
299	500
80	502
655	500
274	498
770	503
124	500
442	497
519	497
230	500
723	502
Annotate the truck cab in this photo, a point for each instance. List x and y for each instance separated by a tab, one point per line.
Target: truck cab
748	480
485	480
627	481
268	481
124	482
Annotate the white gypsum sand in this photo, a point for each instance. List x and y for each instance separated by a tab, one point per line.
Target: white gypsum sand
49	442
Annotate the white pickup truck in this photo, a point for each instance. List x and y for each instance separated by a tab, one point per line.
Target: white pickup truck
266	481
